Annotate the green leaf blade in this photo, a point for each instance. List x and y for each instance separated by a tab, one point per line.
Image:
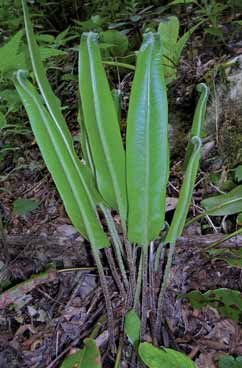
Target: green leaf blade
132	327
192	164
88	357
167	358
147	145
102	127
224	204
73	180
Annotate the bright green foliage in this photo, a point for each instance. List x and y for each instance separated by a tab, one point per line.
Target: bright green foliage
169	31
224	204
167	358
147	145
132	327
88	357
227	361
192	163
102	126
24	206
228	302
73	180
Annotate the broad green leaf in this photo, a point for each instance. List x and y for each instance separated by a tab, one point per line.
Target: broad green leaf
171	46
102	126
117	40
168	31
238	173
73	180
10	59
227	361
88	357
179	217
224	204
147	145
85	147
24	206
192	157
132	327
49	98
3	120
167	358
228	302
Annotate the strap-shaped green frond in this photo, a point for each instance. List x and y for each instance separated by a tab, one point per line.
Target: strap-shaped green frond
73	180
102	126
147	144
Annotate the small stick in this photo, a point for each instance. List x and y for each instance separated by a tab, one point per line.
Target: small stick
112	265
163	289
152	290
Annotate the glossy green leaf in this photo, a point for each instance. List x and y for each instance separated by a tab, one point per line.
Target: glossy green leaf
102	126
147	145
73	180
49	98
168	31
24	206
88	357
228	302
193	157
85	147
167	358
224	204
179	217
132	327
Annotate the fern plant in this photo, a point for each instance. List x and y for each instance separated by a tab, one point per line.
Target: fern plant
109	178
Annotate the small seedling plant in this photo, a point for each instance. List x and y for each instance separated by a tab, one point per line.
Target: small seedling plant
128	180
